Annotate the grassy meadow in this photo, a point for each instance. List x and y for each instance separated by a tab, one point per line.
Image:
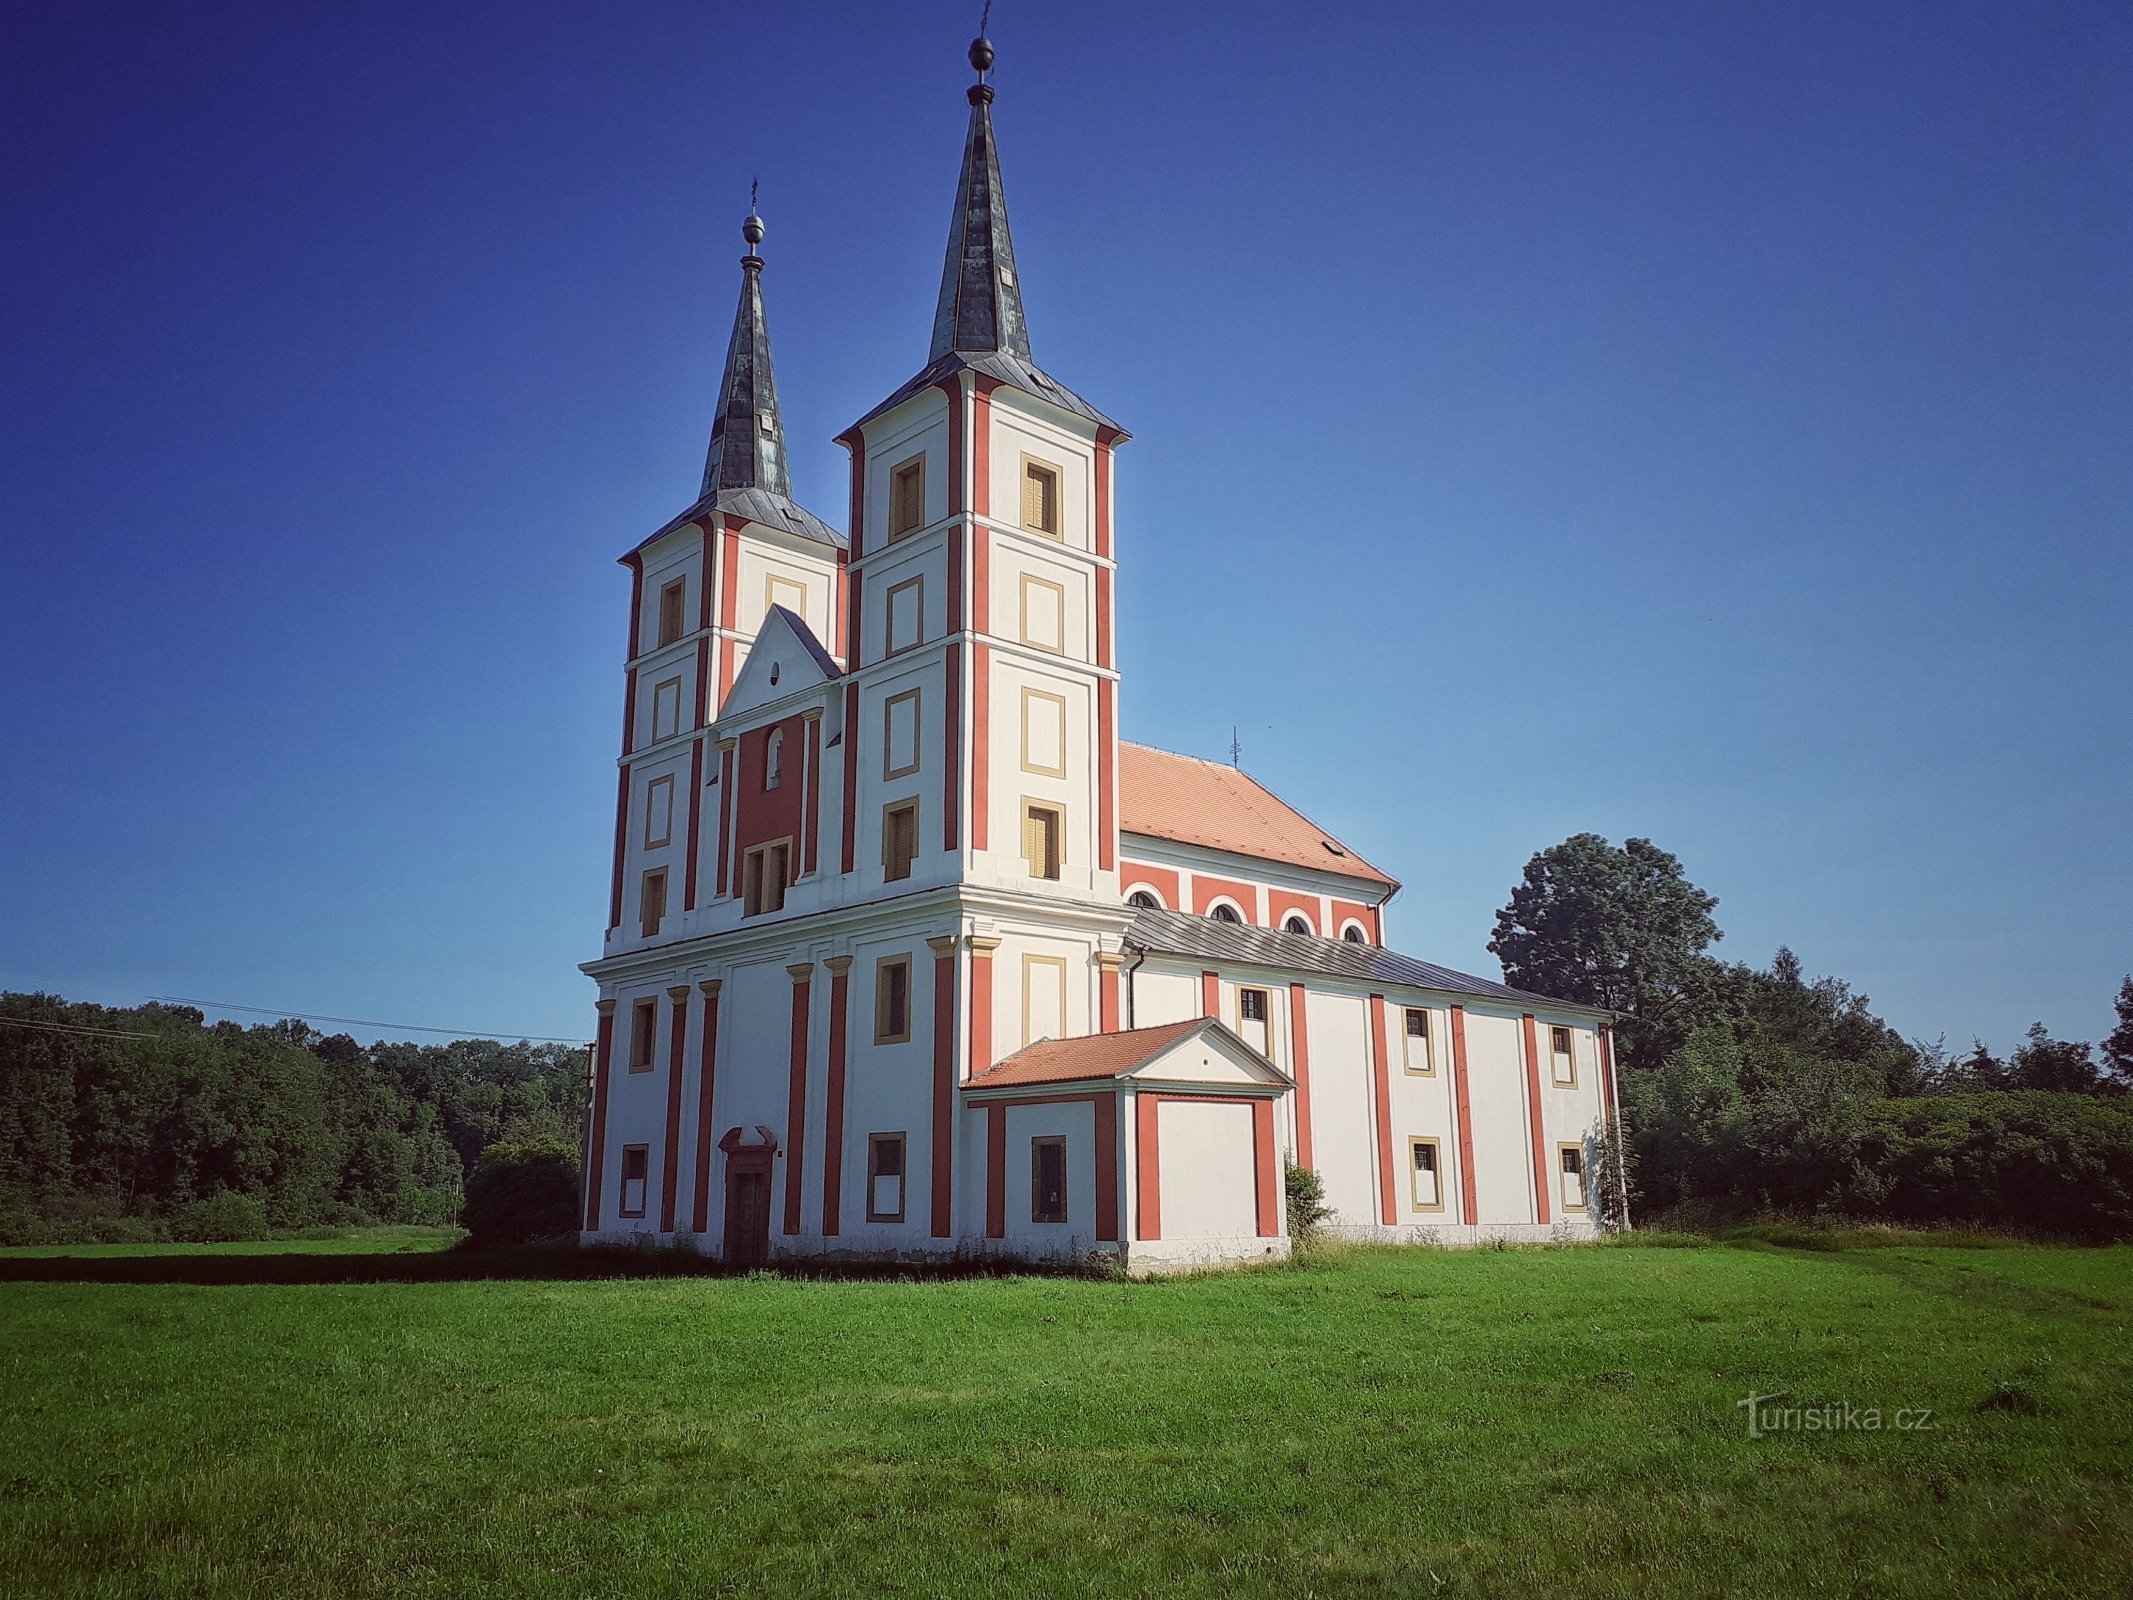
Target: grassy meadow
378	1415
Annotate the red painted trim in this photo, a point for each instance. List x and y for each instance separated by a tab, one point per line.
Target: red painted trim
1381	1074
839	600
1265	1169
956	536
833	1117
706	1082
981	454
1107	987
1103	508
622	834
1106	757
1106	1167
1467	1209
943	1093
1103	616
856	442
729	598
629	711
596	1151
725	815
1161	879
980	1046
851	776
1607	1075
810	847
1207	889
1533	1112
670	1166
1147	1169
635	563
1210	994
796	1104
996	1170
704	584
980	578
952	779
696	791
725	671
703	682
952	387
980	747
1300	1058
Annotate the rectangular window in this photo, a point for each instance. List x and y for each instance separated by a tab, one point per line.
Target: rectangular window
644	1034
658	813
1042	828
1425	1189
899	840
1047	1179
892	1000
1044	733
670	611
1043	998
1416	1042
907	498
906	606
636	1167
1254	1008
899	729
1040	497
765	874
1044	614
885	1177
1570	1159
1562	1059
652	900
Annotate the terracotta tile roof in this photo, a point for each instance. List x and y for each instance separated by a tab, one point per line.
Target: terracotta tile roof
1167	796
1095	1055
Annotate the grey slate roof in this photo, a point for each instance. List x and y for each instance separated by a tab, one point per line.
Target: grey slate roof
748	434
1175	933
757	505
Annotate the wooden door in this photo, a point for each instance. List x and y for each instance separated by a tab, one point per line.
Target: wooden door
747	1212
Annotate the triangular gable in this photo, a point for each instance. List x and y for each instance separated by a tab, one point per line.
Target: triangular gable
786	649
1209	1057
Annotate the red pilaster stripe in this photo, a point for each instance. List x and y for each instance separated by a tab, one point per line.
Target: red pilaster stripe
851	775
1607	1076
852	584
1381	1073
1210	994
811	846
943	1089
980	747
1533	1114
635	563
957	535
1107	1167
980	578
1147	1169
996	1171
629	711
696	797
952	387
622	826
981	455
1265	1168
1106	760
839	619
706	1108
1103	500
703	681
1103	616
729	598
725	814
979	1049
952	782
1300	1059
857	443
706	581
796	1095
1467	1210
596	1142
833	1117
725	670
1107	994
670	1163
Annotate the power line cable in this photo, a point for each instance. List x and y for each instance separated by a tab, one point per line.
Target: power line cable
359	1022
72	1027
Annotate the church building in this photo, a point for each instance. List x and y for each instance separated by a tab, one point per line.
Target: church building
910	957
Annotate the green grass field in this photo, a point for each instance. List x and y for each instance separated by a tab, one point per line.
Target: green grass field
1527	1422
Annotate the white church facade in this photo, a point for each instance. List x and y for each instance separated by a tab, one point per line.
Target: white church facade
910	957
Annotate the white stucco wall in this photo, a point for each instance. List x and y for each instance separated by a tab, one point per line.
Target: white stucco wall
1207	1173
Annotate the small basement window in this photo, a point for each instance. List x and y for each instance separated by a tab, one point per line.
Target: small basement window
636	1168
885	1177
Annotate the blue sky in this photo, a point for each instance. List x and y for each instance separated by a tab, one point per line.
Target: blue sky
1709	422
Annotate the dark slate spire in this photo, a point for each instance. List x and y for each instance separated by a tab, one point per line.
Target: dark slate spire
748	435
980	308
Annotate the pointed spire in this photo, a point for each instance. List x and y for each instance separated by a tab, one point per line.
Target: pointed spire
748	434
980	307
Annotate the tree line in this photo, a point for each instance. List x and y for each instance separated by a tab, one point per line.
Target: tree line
1750	1090
146	1122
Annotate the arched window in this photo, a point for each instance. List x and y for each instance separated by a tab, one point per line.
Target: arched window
1354	934
774	759
1226	913
1142	900
1296	925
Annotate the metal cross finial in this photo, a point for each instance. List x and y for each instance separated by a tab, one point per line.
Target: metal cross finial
752	182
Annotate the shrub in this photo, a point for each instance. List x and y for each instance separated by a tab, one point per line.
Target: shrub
219	1219
1305	1194
522	1192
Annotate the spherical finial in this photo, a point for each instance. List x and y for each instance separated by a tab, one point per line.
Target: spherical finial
981	54
752	230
